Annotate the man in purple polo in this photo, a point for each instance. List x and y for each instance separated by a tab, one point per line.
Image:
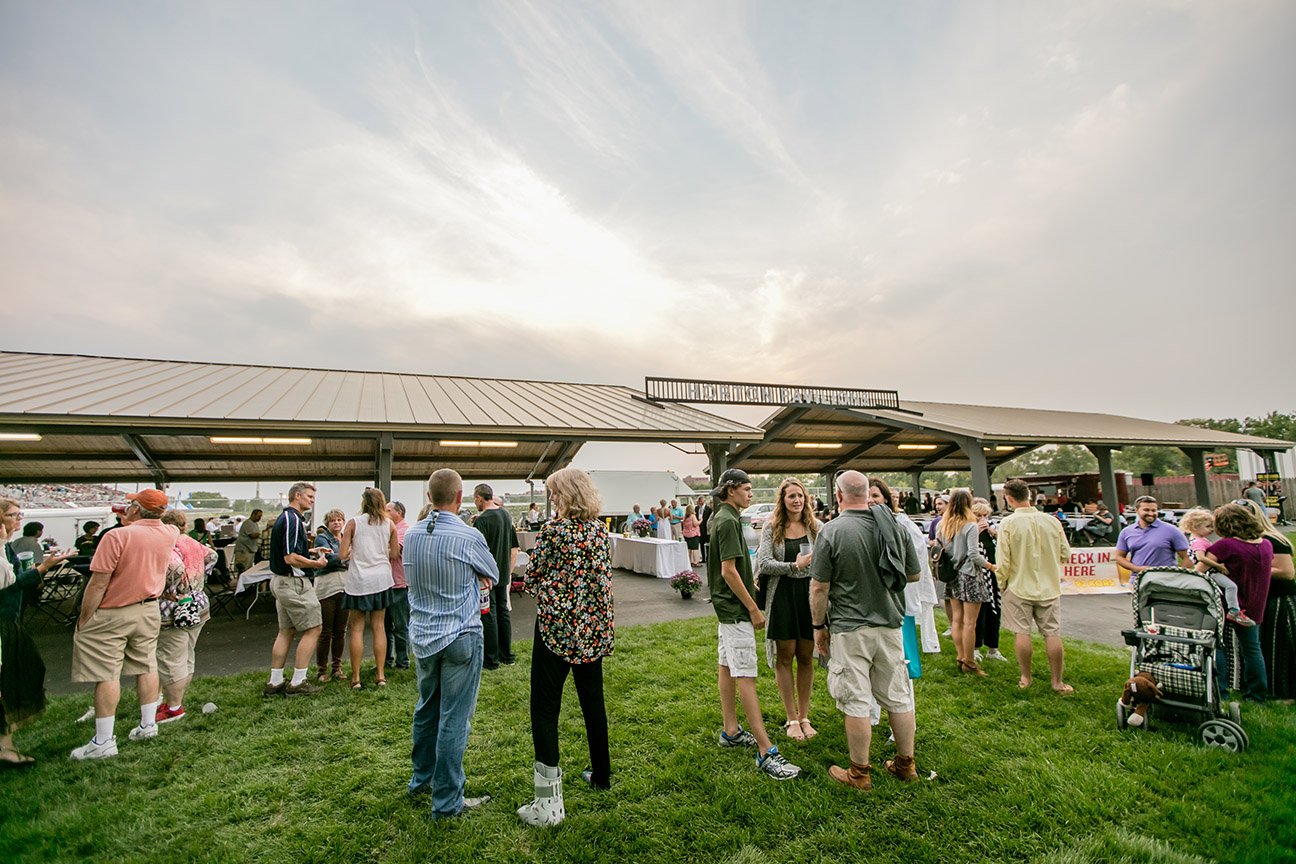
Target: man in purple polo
1149	542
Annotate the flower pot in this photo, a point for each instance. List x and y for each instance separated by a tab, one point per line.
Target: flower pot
686	595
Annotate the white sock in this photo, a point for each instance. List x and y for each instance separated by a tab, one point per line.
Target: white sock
299	675
104	729
276	677
148	714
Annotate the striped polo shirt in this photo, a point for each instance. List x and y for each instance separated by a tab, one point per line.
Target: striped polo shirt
443	567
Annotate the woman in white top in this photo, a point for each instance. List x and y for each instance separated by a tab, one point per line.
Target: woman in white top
368	546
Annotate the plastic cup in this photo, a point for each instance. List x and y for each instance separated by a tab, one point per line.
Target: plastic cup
805	548
25	559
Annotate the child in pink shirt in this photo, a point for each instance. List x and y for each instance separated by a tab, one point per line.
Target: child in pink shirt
1198	524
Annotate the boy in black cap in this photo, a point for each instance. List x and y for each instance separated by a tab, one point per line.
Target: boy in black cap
729	575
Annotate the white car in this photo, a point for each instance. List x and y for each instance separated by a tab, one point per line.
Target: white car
758	515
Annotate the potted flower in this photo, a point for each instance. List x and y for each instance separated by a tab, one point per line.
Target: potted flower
686	582
641	527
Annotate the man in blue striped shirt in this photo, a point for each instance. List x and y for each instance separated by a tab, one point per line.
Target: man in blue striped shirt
447	565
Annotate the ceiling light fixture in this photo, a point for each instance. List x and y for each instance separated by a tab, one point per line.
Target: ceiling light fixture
816	445
222	439
916	446
479	444
19	436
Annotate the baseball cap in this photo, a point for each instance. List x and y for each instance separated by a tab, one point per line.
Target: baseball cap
730	478
149	499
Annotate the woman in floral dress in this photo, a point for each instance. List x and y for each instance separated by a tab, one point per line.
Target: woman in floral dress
570	577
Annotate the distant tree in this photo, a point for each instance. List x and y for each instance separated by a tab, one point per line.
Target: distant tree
1159	461
1062	459
206	496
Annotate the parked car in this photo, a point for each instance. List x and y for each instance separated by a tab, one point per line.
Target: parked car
758	515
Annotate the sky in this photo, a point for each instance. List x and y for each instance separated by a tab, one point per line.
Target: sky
1074	206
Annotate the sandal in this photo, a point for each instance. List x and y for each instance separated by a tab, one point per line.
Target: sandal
381	682
19	760
808	730
356	685
796	735
972	668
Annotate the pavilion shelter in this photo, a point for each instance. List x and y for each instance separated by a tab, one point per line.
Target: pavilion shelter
70	418
917	437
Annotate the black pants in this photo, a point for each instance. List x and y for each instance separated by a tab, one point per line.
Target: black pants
497	629
987	627
548	675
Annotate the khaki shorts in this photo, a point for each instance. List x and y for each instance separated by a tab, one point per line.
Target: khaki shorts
175	652
1018	614
738	649
868	664
299	608
116	642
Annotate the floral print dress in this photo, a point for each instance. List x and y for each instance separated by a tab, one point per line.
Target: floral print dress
570	576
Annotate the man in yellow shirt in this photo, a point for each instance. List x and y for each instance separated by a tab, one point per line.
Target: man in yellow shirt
1031	551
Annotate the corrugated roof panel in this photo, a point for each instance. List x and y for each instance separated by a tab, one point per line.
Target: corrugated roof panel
421	408
475	414
509	397
290	404
372	396
396	405
346	399
223	391
319	403
262	397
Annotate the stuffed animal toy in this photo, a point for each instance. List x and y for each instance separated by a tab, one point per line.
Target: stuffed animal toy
1140	692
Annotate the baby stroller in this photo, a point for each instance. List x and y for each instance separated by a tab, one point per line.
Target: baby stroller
1178	622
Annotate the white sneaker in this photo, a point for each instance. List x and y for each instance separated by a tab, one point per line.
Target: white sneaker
140	733
87	716
947	632
976	655
996	655
95	750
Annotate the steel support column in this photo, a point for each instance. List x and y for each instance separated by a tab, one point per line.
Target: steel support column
1197	458
385	446
1106	476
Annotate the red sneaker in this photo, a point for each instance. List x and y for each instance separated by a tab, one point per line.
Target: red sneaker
1240	618
165	714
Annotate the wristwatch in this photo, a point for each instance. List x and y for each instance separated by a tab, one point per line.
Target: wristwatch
819	626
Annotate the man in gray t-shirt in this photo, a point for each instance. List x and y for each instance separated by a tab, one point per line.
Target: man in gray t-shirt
861	565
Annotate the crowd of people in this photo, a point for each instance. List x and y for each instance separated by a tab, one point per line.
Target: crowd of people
848	587
59	494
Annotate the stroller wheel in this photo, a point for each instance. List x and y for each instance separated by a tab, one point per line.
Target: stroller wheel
1235	713
1224	734
1121	717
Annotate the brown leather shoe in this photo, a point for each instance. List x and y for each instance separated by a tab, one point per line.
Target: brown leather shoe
305	688
902	768
857	776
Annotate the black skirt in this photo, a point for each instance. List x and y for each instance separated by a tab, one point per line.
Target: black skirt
368	602
693	542
790	611
22	678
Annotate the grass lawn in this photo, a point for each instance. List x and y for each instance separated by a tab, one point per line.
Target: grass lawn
1024	776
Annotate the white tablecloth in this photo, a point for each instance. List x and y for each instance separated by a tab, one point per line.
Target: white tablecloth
649	555
248	578
527	540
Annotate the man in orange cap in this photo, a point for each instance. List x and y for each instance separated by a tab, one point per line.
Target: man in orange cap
118	629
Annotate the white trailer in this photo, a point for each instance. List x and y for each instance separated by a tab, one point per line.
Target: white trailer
621	490
63	524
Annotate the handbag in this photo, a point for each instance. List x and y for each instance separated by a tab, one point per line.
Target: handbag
187	614
943	567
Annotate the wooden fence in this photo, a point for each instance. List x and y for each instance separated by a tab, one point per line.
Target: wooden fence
1178	492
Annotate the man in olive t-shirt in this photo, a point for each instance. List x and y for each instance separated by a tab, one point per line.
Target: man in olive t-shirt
729	576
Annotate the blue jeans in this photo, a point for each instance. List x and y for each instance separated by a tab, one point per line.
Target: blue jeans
397	625
447	683
1255	681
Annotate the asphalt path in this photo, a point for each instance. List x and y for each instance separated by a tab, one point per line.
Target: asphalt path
235	644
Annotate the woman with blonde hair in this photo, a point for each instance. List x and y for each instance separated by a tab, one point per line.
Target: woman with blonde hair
783	566
570	576
959	539
368	545
184	610
1278	629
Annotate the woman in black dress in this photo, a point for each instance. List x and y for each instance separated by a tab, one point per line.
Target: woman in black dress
22	672
784	573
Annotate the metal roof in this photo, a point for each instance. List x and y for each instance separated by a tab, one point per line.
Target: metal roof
872	439
123	419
